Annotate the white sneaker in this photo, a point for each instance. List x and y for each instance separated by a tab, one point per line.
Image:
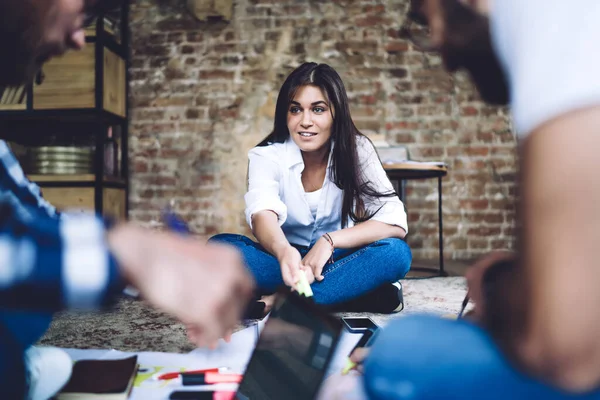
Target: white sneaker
400	307
48	369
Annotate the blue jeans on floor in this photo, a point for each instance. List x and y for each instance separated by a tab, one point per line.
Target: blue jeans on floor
426	357
354	272
18	331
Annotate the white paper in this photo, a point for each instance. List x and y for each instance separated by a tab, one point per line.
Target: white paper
234	355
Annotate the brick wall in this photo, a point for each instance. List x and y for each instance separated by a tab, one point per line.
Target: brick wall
203	93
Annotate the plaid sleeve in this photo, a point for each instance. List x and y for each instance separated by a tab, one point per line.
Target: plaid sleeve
51	264
12	179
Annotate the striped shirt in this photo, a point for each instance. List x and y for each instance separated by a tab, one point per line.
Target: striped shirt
49	261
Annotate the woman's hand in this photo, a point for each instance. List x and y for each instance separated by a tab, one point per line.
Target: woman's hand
290	263
317	257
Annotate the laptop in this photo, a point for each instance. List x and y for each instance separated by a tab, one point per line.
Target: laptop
293	351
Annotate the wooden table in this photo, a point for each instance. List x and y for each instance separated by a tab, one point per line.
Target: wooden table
403	171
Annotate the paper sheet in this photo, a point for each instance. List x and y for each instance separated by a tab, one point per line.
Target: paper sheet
234	355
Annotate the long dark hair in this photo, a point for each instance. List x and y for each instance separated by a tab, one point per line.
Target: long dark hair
345	173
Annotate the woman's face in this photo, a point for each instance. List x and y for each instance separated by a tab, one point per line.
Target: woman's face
309	119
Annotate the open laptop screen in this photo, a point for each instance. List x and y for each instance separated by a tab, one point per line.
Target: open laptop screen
292	353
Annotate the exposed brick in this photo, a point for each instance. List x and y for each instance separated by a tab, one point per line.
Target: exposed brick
399	72
373	20
502	244
140	166
216	75
201	90
396	46
478	244
193	113
469	111
194	37
481	204
484	231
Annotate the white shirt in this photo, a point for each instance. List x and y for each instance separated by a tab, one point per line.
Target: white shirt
550	52
313	198
274	183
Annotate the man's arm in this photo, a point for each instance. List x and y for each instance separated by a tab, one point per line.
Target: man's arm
14	181
50	264
560	240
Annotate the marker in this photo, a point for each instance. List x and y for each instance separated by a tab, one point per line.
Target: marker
464	305
350	365
209	378
363	342
195	395
174	223
173	375
302	286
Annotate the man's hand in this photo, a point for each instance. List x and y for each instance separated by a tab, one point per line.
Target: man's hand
317	257
206	286
346	387
359	356
290	263
475	276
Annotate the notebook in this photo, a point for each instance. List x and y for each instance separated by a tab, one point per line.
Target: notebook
293	352
100	380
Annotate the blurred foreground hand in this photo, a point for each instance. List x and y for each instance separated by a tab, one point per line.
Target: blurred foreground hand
205	286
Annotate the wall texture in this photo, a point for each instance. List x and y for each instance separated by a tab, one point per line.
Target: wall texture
203	93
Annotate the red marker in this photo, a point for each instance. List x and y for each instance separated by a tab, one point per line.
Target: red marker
173	375
209	378
183	395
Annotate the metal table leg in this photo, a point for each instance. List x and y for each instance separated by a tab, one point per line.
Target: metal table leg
441	228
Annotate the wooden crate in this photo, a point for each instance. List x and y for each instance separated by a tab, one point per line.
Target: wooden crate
81	199
13	98
69	82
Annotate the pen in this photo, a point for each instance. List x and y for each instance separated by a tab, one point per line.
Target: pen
364	340
209	378
174	223
173	375
464	305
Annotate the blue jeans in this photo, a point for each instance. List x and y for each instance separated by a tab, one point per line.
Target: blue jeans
426	357
354	272
18	331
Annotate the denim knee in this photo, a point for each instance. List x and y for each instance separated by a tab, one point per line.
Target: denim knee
224	238
240	242
428	357
393	366
398	251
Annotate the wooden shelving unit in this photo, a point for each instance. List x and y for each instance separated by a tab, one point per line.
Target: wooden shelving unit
78	97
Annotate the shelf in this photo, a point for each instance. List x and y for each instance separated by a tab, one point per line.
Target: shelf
76	180
64	115
110	42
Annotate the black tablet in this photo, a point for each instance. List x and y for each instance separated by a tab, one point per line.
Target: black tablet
293	351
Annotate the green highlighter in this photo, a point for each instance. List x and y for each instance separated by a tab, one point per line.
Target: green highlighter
303	287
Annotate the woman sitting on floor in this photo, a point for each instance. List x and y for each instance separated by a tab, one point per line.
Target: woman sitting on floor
319	201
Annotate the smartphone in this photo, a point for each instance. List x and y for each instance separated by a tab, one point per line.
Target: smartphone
359	325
